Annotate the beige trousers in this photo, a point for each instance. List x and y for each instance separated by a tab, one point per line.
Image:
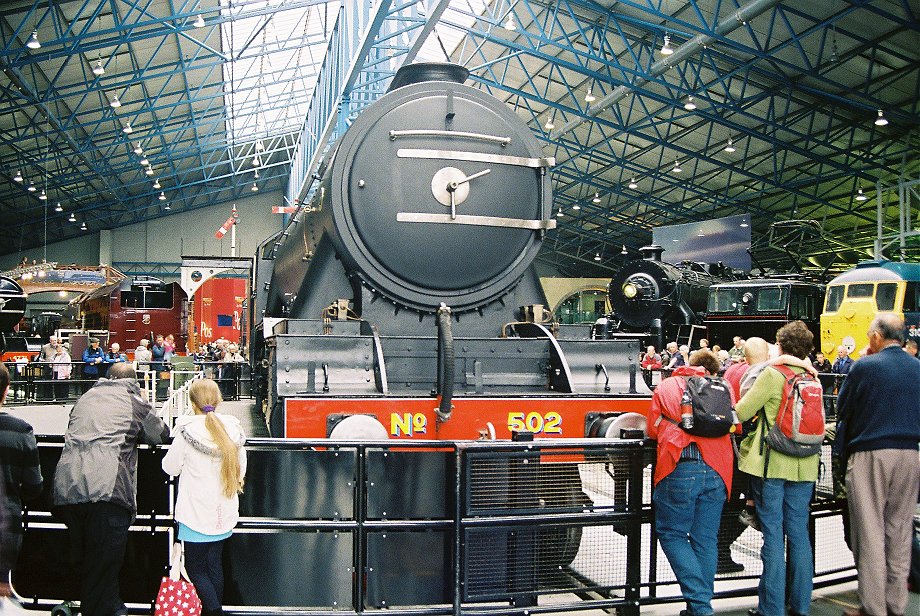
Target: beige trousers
882	490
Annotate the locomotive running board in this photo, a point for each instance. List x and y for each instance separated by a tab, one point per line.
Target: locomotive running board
480	221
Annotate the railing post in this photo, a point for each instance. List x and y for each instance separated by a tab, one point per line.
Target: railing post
634	536
459	564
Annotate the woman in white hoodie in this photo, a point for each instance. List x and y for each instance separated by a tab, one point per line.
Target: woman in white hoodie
207	454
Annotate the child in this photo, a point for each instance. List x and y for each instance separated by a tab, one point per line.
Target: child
207	454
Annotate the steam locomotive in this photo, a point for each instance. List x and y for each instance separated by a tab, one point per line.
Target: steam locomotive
401	301
659	299
12	309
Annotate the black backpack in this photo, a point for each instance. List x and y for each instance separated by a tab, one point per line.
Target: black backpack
711	401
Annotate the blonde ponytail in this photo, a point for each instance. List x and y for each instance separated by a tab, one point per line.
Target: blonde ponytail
203	393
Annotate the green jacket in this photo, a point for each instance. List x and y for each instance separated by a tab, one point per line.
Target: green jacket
766	393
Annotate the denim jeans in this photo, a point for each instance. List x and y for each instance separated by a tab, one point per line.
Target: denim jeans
688	509
783	509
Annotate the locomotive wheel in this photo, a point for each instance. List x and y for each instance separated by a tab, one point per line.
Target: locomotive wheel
560	489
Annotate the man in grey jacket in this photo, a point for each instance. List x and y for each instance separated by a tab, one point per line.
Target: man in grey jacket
95	484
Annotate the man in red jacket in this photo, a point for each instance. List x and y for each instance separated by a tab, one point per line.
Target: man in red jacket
693	477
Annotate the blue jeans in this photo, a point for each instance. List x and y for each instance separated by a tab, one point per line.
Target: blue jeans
783	509
688	509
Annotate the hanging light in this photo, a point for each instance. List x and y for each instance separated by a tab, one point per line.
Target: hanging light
83	227
115	103
138	149
559	214
33	43
31	187
744	224
144	161
167	207
127	129
256	161
72	218
162	196
590	98
729	147
881	120
18	176
255	187
199	21
156	184
689	105
676	168
666	49
259	146
576	207
98	69
633	184
42	195
860	196
597	256
596	199
510	24
550	123
624	251
58	208
148	170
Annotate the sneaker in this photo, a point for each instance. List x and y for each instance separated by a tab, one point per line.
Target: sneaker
728	566
749	518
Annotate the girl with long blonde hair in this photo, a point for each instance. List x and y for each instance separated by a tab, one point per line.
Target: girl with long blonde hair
207	455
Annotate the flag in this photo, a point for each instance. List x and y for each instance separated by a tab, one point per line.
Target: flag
226	226
284	209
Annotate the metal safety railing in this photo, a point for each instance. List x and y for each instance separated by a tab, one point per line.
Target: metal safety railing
480	527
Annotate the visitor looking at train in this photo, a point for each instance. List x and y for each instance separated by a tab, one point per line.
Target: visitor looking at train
95	483
207	455
61	369
911	347
879	451
693	476
93	357
782	486
142	356
651	360
158	353
114	356
21	480
677	356
169	347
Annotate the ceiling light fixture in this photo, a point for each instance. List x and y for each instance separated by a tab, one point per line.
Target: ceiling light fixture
33	43
138	149
550	123
98	69
162	196
31	187
156	184
256	161
860	196
596	199
199	21
83	227
633	184
590	98
72	218
18	176
259	146
167	207
510	24
744	224
666	49
676	168
115	103
58	207
689	105
144	161
729	147
255	187
43	195
148	170
624	251
881	120
127	129
559	214
576	207
597	256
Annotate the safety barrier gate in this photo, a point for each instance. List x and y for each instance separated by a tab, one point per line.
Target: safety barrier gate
424	527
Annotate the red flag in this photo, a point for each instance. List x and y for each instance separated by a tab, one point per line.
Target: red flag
284	209
226	226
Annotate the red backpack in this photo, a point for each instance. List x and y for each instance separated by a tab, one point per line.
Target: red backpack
799	427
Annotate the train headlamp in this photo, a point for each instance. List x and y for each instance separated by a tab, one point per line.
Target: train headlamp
630	291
